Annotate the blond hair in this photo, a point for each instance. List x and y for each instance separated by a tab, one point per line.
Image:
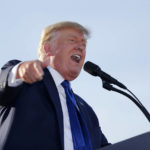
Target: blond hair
49	32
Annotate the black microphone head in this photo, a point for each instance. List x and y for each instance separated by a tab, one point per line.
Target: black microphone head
91	68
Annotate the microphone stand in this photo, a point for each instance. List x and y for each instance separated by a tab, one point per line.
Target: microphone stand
109	87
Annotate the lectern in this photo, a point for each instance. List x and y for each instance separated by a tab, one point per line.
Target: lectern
140	142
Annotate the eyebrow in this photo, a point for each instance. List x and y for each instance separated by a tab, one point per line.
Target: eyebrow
70	35
74	36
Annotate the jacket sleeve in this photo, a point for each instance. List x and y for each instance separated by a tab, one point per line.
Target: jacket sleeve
7	94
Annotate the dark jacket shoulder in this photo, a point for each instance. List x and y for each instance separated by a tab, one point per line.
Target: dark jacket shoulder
6	92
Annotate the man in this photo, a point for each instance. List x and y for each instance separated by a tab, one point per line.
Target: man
37	111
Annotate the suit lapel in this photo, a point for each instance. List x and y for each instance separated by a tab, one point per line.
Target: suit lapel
82	109
53	93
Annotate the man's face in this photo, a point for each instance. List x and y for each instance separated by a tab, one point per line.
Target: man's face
68	53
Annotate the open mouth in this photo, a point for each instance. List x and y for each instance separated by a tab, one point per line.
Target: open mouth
76	58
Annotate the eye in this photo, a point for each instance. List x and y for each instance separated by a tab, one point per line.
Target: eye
72	40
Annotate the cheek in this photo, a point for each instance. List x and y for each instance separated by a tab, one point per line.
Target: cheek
62	58
84	54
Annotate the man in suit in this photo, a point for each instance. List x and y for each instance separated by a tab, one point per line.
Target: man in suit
34	109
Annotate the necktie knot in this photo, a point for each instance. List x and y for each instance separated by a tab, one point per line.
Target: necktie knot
65	84
68	91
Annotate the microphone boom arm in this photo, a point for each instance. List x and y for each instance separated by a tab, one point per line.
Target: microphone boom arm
109	87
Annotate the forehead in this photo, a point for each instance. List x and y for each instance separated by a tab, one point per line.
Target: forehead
71	32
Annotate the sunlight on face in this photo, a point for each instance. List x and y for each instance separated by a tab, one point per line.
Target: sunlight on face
68	50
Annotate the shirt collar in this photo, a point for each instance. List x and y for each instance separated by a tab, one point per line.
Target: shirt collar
58	79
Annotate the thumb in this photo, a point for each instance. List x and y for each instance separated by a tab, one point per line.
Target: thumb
45	63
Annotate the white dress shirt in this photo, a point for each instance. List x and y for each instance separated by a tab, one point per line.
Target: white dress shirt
58	79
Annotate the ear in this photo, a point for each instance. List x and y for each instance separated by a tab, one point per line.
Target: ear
47	48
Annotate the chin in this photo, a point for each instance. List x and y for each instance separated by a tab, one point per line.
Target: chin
73	75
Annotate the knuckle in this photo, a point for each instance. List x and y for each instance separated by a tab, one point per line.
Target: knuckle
35	64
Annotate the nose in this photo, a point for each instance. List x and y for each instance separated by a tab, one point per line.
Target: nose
80	46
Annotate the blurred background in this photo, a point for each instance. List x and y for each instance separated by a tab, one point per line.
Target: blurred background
119	44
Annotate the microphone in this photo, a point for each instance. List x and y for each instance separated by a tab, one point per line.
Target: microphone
95	70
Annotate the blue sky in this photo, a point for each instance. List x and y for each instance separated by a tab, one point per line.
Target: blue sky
119	44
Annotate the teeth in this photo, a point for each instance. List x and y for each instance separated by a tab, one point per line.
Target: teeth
77	56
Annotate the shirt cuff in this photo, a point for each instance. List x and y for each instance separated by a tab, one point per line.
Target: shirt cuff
12	81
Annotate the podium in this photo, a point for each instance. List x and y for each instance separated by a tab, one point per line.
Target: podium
140	142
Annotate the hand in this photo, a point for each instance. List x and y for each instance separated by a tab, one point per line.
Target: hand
31	71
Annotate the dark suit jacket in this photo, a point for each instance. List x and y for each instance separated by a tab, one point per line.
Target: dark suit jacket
37	120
